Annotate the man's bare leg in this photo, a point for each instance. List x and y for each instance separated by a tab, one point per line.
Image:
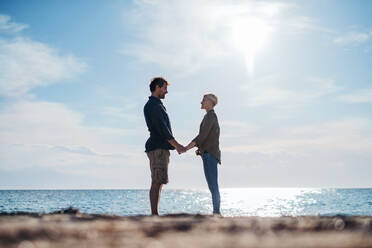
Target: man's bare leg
154	197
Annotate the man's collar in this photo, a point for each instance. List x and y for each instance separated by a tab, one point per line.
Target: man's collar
154	98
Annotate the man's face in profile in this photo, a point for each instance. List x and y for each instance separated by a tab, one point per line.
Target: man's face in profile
163	90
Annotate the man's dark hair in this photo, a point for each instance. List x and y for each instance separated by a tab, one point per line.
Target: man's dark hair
157	81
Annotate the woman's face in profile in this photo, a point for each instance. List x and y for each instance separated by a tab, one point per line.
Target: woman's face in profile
206	103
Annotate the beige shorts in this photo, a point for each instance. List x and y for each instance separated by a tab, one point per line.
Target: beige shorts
159	160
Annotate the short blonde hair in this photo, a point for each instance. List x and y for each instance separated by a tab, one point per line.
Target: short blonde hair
213	98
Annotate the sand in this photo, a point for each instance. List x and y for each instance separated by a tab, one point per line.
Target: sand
69	228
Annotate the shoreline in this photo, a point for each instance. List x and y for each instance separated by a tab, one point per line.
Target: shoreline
70	228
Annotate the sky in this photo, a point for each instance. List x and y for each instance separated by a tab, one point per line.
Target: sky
293	79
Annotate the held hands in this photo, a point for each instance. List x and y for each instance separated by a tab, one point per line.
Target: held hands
181	149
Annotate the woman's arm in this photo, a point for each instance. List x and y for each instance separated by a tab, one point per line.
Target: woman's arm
204	130
191	145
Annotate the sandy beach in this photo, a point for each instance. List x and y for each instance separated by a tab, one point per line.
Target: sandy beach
70	228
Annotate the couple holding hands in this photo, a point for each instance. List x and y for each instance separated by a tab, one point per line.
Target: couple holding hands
161	141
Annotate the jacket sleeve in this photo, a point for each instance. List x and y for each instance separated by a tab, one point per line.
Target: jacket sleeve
205	128
160	124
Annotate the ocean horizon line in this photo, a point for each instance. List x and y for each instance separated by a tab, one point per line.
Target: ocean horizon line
191	189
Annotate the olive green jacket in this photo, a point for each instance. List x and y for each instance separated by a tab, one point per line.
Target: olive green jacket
208	137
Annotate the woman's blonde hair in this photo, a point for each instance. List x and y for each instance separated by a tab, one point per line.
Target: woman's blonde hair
213	98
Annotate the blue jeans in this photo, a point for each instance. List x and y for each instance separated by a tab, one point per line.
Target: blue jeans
211	174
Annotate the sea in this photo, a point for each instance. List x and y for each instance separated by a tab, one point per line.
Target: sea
234	201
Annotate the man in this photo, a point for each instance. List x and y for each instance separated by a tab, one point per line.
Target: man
161	139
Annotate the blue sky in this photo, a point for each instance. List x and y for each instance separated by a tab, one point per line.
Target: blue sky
292	77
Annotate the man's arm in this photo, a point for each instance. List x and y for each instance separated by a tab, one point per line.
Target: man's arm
180	148
162	128
159	123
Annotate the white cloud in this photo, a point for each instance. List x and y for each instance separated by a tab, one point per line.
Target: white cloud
328	144
189	35
26	64
297	24
288	92
323	154
342	136
12	27
353	38
49	137
360	96
235	129
121	113
44	134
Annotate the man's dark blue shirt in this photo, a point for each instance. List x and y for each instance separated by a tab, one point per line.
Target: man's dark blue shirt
158	123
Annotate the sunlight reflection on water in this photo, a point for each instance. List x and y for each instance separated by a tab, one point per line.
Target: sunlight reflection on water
234	201
266	201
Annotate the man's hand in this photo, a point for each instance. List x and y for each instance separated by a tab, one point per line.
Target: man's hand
180	149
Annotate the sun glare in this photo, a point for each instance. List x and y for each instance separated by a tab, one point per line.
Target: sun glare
249	36
267	201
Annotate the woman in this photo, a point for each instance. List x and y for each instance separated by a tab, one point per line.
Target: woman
207	142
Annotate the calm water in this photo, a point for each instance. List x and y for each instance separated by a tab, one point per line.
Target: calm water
234	202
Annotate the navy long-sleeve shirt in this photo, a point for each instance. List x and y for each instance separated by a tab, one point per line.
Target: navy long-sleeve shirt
158	123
